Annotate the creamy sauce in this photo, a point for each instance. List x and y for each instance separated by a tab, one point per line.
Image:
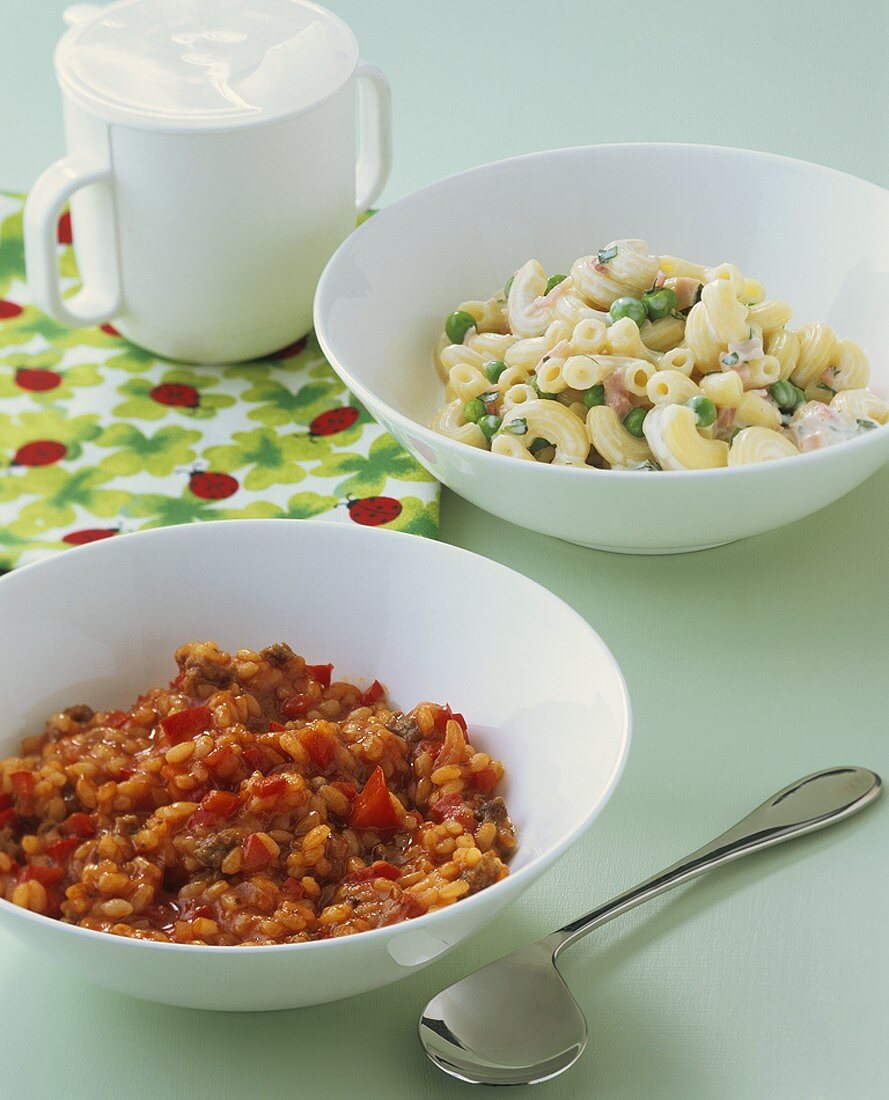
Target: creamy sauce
815	425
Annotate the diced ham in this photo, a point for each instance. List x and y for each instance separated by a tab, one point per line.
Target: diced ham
545	302
685	288
748	350
558	351
615	393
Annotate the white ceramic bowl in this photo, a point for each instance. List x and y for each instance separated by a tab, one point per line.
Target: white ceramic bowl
541	691
815	237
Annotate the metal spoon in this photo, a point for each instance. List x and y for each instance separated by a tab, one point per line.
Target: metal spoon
515	1022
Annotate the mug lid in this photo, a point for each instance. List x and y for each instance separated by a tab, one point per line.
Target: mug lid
203	64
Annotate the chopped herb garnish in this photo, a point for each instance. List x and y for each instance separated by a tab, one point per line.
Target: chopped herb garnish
865	425
539	444
606	254
731	359
517	427
824	386
648	465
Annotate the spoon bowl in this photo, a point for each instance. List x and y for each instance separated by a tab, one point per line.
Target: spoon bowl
471	1030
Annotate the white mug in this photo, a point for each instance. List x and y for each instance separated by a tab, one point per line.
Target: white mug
211	170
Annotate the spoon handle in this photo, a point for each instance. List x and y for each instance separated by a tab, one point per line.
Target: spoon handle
811	803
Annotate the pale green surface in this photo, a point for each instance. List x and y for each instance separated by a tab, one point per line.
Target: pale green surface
747	666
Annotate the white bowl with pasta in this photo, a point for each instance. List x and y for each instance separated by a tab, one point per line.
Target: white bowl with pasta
606	425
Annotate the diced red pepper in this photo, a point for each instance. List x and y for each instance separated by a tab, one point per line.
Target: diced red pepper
79	824
410	907
184	724
348	789
451	807
320	673
197	911
22	785
126	772
445	715
202	819
378	869
293	888
484	780
320	747
370	695
177	682
38	872
7	816
373	807
222	803
271	787
256	759
59	850
53	903
276	727
5	801
256	857
297	704
115	719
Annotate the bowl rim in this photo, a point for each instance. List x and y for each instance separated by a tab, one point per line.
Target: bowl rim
427	921
325	295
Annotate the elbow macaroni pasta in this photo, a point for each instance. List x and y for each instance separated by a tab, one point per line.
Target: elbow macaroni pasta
638	361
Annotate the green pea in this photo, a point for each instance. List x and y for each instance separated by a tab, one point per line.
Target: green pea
786	396
490	425
508	286
473	411
494	370
539	444
628	307
660	303
542	394
458	324
634	420
704	410
554	280
595	395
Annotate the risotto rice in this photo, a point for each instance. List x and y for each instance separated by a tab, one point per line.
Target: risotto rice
253	801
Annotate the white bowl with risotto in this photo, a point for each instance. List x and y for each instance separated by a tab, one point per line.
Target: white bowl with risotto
692	348
97	626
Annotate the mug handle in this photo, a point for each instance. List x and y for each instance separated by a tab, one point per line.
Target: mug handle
93	304
375	122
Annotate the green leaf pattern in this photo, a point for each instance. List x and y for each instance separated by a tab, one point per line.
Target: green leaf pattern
99	436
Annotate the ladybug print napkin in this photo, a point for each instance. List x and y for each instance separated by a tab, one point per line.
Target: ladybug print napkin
98	437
